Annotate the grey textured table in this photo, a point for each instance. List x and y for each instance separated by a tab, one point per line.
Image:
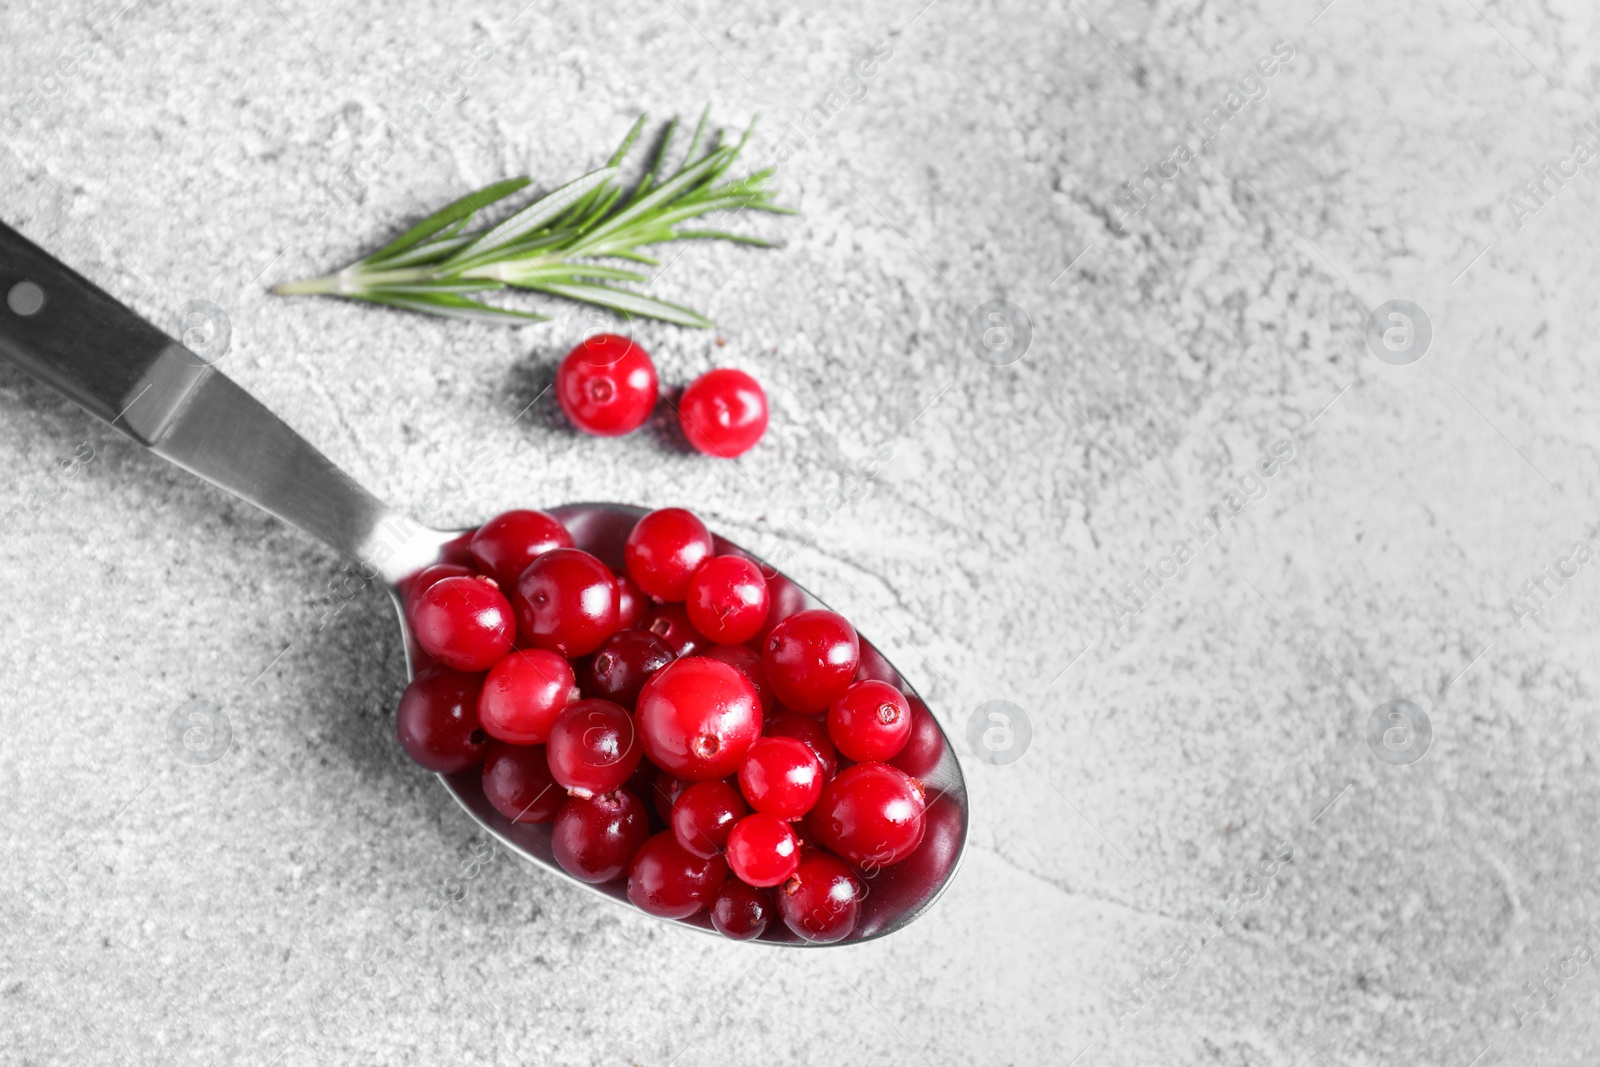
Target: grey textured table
1199	858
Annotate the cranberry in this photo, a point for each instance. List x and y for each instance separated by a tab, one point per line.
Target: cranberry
810	730
704	813
723	413
593	747
668	880
464	623
516	780
727	599
748	660
504	546
595	838
425	580
741	912
438	720
664	550
925	747
667	789
631	603
811	658
781	777
622	665
871	814
874	667
870	721
784	599
566	602
523	694
670	622
823	899
607	385
698	718
763	850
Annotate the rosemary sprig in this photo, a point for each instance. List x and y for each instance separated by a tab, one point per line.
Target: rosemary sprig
550	245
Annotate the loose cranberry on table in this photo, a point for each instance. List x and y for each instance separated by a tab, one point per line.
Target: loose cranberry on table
810	659
698	718
723	413
727	599
781	776
870	721
621	666
438	720
595	838
741	912
871	814
822	901
670	622
668	880
523	694
503	547
664	550
810	730
607	385
516	780
631	602
566	602
703	815
593	747
748	661
763	850
464	623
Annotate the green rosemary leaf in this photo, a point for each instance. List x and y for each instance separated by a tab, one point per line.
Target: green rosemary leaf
699	134
627	142
723	235
629	302
682	180
661	155
457	212
536	214
457	307
475	285
435	251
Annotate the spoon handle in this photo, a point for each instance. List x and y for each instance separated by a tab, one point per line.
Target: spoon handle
58	326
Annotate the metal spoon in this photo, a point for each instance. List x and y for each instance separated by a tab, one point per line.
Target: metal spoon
73	336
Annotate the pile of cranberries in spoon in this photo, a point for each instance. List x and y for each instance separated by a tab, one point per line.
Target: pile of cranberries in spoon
678	723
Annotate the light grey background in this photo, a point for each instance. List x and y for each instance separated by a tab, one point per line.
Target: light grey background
254	909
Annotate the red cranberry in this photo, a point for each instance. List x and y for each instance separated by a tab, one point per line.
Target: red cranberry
723	413
822	901
670	622
607	385
631	602
727	599
874	667
925	747
666	791
503	547
668	880
516	780
425	580
438	720
703	815
593	747
871	814
870	721
664	550
566	602
464	623
624	663
763	850
595	838
698	718
523	694
741	912
810	730
784	599
781	777
811	658
748	661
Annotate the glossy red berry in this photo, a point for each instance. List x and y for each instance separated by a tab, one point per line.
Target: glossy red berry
763	850
870	721
703	815
666	791
822	901
621	666
631	602
871	814
784	599
504	546
748	661
670	622
668	880
594	747
566	602
810	659
607	385
723	413
875	668
516	780
464	623
595	838
425	580
741	912
523	694
925	747
727	599
810	730
664	550
698	718
438	720
781	777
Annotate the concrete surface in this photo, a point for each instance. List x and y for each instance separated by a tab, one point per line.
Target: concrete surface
308	897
